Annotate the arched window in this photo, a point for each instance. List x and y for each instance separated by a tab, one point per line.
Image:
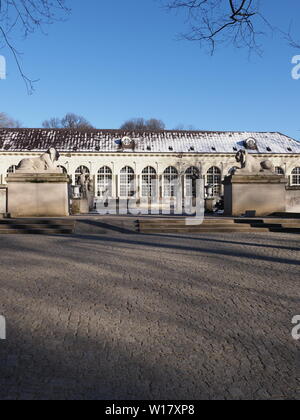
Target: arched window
191	176
279	170
63	169
127	182
170	182
104	182
79	171
149	182
296	176
214	179
12	169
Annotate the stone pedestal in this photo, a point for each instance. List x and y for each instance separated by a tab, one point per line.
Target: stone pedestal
259	195
38	195
210	204
80	206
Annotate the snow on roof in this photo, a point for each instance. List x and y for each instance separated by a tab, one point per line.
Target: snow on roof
107	141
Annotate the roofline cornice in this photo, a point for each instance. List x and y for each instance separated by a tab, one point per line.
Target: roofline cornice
116	131
141	154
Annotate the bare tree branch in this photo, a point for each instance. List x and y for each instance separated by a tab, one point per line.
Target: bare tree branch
22	18
238	22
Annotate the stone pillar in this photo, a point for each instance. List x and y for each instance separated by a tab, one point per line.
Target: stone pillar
138	186
160	187
117	185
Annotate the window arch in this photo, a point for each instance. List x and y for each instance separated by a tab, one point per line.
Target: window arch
170	182
296	176
127	182
214	178
149	182
81	169
191	176
104	182
12	169
279	170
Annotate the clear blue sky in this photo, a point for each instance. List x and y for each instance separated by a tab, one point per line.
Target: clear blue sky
113	60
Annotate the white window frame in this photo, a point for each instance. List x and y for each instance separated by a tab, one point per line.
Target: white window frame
148	190
189	173
104	182
295	177
170	179
126	185
214	178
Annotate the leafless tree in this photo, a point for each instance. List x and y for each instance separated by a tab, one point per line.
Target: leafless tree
182	127
8	122
239	22
52	123
141	124
70	120
24	17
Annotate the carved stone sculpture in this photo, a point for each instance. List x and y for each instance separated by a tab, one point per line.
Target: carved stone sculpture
43	164
83	184
90	185
252	166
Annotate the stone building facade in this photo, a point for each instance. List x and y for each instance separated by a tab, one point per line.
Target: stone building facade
116	160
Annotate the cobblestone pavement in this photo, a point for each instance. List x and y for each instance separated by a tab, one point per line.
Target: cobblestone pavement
125	316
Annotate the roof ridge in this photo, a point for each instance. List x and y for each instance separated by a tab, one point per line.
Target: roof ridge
119	130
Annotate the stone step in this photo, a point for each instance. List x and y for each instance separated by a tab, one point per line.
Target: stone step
21	222
276	226
194	228
37	226
268	221
36	231
202	230
180	225
219	225
37	222
287	215
182	222
285	229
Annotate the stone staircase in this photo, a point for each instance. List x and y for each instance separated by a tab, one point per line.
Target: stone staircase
37	226
218	225
287	215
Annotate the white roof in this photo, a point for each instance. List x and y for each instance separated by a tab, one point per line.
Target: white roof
104	141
